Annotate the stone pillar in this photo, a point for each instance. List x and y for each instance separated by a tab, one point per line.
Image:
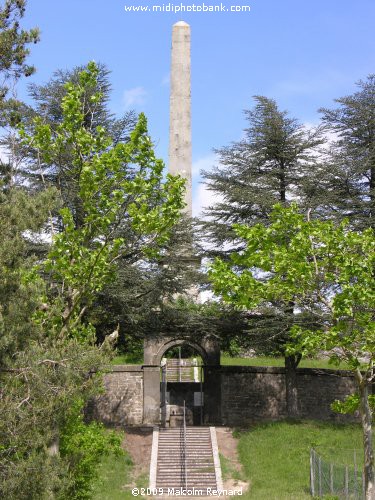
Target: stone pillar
151	395
180	112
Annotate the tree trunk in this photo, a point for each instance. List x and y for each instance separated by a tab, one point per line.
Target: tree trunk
366	418
291	363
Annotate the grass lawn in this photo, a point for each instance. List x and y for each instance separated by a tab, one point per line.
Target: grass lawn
271	361
114	476
275	457
128	359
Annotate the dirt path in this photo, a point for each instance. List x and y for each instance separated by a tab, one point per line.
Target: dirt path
232	471
138	443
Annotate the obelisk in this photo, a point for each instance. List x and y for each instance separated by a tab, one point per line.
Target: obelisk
180	110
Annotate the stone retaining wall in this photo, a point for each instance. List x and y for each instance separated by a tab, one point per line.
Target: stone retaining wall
233	395
122	402
250	393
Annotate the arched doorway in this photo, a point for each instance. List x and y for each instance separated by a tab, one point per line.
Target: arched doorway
164	398
182	385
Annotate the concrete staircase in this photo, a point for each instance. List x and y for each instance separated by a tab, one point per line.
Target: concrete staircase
201	464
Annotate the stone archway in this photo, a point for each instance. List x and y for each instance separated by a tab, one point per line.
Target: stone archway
154	349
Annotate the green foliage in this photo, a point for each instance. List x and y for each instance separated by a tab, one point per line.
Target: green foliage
84	252
14	41
83	446
39	386
351	404
52	363
116	474
274	162
347	178
324	270
14	51
20	289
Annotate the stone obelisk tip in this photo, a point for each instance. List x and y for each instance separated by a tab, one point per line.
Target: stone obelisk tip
181	23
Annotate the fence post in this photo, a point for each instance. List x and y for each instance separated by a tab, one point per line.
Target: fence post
363	485
346	482
331	478
320	475
355	475
312	473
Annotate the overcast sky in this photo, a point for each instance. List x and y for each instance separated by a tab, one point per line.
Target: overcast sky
303	53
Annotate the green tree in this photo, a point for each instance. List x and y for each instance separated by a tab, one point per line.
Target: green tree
14	40
44	381
14	50
143	292
18	212
272	163
325	270
154	280
83	252
56	172
275	162
348	179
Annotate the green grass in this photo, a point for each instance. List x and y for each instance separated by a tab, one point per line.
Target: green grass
127	359
273	361
115	476
228	470
131	359
275	457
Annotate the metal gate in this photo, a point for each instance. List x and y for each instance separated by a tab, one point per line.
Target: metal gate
175	373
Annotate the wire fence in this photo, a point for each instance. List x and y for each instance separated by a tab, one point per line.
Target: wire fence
343	480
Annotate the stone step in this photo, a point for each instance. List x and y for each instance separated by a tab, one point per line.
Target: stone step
177	434
192	454
193	475
197	462
199	484
177	453
195	430
169	483
192	451
190	442
200	477
190	485
190	446
198	487
201	457
191	460
189	430
196	470
207	471
176	448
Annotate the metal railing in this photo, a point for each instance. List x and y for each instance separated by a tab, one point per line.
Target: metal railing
183	447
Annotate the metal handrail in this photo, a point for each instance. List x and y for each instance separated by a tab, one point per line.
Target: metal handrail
183	446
